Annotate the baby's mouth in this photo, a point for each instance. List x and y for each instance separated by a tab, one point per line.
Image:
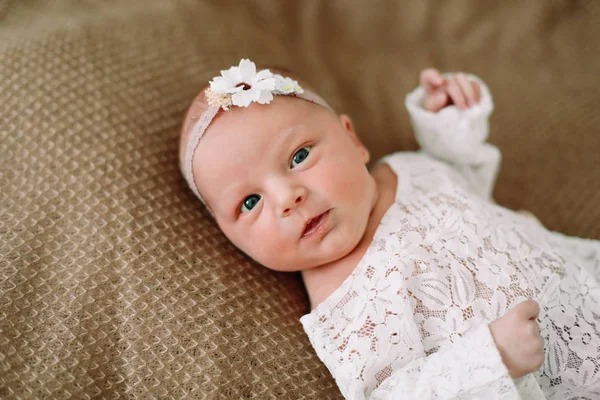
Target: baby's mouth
314	224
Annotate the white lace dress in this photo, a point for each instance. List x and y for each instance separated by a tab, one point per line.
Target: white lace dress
411	321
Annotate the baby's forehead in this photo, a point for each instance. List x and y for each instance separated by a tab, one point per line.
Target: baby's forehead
264	121
260	127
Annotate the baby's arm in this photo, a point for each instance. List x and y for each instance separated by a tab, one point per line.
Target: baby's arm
478	365
469	368
457	133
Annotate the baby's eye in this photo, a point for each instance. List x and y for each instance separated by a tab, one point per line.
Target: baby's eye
300	156
249	203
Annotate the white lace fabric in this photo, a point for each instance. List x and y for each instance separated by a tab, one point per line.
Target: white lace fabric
411	321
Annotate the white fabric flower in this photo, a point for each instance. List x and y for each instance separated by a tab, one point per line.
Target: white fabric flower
245	84
446	331
582	340
287	85
494	270
584	378
584	294
490	310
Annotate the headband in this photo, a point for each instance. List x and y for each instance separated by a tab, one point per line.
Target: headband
238	87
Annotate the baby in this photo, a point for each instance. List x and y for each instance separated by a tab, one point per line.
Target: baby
420	286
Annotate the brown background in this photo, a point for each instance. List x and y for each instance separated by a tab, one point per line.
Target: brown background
114	283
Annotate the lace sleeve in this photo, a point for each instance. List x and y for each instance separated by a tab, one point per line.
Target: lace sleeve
470	368
458	138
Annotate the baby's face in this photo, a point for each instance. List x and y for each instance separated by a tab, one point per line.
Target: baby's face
287	182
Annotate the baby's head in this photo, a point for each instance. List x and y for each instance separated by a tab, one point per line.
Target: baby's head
286	181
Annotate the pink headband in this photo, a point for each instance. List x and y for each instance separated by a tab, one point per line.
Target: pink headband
239	86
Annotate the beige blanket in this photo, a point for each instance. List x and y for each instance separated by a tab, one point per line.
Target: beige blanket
114	283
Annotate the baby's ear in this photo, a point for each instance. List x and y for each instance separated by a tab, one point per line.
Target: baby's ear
349	128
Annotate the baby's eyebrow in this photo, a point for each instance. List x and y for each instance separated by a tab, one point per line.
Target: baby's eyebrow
227	207
285	136
227	193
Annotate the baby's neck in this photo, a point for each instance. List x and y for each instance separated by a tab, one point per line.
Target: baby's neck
321	281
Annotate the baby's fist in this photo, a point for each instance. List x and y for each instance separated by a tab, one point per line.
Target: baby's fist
518	340
440	92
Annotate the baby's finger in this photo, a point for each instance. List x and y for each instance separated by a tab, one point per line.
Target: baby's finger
466	88
436	101
456	94
476	90
537	328
528	309
430	79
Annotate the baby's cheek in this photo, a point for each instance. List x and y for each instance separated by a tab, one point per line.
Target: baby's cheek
332	178
345	183
272	248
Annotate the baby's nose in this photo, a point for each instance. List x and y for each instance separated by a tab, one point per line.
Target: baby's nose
299	199
290	197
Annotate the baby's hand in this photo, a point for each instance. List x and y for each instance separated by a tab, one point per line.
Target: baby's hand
518	340
440	92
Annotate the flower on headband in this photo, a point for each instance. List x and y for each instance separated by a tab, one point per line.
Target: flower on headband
245	84
241	85
218	99
287	85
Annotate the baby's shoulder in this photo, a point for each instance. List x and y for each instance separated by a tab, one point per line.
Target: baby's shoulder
411	158
418	166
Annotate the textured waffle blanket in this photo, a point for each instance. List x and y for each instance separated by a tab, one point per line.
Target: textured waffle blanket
114	283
